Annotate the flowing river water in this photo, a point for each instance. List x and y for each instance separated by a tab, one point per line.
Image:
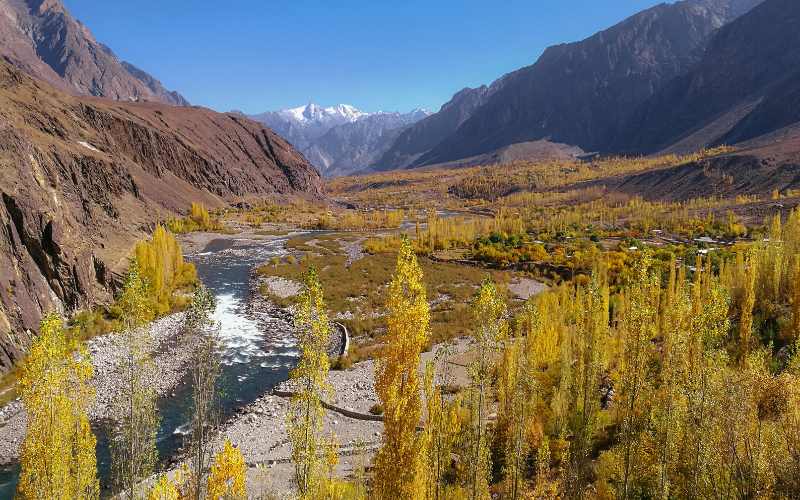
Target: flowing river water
257	353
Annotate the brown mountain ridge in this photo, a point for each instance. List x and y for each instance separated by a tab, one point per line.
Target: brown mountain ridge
82	178
43	39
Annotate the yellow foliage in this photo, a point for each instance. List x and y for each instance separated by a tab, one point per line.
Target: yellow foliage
57	458
166	488
400	470
198	220
351	220
304	420
161	265
227	477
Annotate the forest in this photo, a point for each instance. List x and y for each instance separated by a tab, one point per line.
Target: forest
661	361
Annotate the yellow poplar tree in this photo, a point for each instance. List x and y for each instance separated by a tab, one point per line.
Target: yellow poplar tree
304	420
400	470
133	440
57	459
442	426
164	489
490	329
227	476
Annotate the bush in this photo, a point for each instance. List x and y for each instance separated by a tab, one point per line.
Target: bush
342	363
376	409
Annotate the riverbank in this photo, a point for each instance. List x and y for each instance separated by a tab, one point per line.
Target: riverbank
171	359
259	430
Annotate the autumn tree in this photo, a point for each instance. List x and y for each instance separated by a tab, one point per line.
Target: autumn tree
57	459
304	420
161	264
639	327
747	304
166	488
488	311
442	426
400	462
202	333
133	441
227	477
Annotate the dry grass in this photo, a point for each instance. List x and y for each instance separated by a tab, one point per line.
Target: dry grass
360	290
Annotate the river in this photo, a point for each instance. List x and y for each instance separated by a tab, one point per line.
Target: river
257	350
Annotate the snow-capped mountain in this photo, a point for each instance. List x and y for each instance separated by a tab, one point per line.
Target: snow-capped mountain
339	139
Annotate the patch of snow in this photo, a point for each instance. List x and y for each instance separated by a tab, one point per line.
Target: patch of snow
89	146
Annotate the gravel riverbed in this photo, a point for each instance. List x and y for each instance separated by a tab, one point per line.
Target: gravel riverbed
170	358
259	430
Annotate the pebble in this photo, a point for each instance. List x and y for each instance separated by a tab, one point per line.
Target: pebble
105	353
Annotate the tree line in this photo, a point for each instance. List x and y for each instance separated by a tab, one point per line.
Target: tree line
684	383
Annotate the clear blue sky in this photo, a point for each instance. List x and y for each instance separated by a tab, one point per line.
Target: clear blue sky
259	55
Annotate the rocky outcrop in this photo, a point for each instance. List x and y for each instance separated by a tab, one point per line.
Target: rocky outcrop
82	179
43	39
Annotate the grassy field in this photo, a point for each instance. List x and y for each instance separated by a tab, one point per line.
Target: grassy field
355	292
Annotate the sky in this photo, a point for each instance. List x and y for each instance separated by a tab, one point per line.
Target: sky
260	55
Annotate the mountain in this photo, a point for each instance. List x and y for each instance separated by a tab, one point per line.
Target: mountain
583	93
302	125
83	178
414	141
350	147
747	84
44	40
340	139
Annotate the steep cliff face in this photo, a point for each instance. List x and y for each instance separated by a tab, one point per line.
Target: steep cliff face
42	38
81	179
747	84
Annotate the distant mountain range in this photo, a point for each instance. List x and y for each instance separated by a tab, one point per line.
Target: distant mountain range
341	139
44	40
639	86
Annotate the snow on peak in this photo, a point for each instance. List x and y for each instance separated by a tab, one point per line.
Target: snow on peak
314	113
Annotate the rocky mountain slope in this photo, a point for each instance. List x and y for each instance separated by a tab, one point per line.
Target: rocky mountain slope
43	39
416	140
581	93
82	178
350	147
747	84
340	139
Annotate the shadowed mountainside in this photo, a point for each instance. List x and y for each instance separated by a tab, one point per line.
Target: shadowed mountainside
583	93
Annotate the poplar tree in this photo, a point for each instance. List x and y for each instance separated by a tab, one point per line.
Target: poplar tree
305	417
639	327
227	477
490	329
133	442
400	463
57	459
748	302
202	333
442	425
